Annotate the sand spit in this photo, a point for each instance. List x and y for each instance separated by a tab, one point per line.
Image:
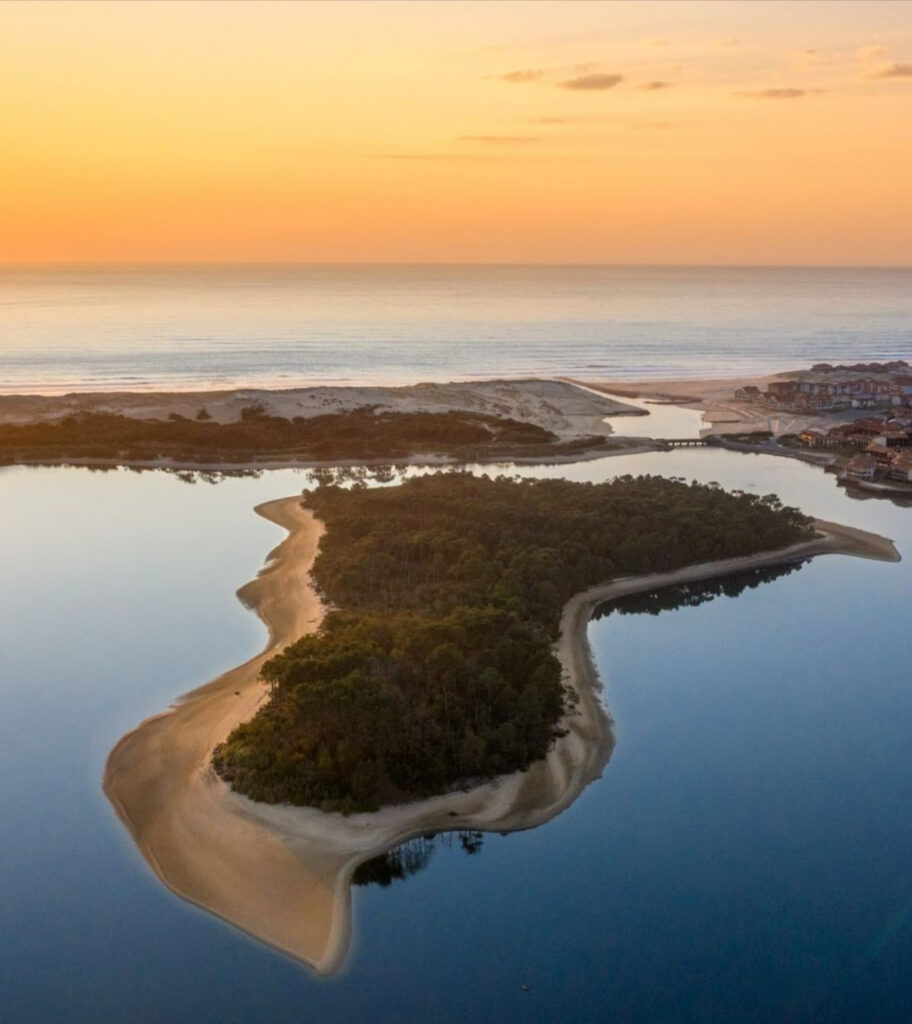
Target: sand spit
283	874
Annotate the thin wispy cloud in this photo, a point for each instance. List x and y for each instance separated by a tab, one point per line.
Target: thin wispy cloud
522	76
500	140
654	86
532	155
779	94
869	53
809	57
591	83
899	69
446	157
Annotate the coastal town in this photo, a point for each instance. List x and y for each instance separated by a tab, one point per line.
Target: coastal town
861	413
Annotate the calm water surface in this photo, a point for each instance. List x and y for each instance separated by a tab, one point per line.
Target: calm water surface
746	857
215	326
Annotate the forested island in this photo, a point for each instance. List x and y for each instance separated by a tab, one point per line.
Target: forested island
435	666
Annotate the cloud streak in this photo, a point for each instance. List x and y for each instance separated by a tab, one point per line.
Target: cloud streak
869	53
591	83
654	86
779	94
522	76
899	69
500	140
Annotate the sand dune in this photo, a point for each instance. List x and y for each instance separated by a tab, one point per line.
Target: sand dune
554	405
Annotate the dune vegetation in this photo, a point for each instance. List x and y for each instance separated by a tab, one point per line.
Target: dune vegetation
360	434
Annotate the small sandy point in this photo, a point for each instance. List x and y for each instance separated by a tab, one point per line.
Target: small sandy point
282	873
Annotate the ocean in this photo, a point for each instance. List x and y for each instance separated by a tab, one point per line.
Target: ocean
189	327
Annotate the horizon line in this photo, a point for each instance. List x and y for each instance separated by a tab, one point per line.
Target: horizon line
15	264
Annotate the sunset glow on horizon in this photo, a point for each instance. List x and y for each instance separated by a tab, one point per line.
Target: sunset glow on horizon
554	132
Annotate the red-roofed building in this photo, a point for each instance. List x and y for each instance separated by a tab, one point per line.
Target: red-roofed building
901	467
861	467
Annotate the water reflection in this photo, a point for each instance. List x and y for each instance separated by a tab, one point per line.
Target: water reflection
383	473
413	856
215	476
860	494
693	594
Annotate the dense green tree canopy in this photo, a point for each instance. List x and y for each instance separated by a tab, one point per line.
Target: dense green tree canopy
436	665
360	434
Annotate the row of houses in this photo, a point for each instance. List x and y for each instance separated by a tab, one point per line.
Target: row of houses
866	466
875	433
886	446
832	390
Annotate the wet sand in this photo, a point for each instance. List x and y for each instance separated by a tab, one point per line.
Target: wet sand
282	873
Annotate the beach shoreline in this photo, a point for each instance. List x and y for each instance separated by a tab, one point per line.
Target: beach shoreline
283	874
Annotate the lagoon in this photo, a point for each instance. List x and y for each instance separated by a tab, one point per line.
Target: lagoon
744	857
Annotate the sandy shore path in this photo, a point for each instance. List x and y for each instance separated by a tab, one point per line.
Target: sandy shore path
283	874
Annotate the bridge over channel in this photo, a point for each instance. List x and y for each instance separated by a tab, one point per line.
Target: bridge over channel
684	442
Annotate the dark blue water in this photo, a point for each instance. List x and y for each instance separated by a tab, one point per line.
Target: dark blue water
746	856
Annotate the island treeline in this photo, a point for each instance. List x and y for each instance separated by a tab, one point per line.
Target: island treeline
359	434
436	665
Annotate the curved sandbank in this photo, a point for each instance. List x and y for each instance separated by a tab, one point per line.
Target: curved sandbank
283	873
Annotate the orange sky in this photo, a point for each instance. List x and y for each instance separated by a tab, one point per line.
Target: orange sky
496	131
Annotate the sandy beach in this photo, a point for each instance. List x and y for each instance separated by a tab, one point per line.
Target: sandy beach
282	873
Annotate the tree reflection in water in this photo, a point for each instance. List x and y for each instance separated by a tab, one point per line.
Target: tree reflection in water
408	859
690	595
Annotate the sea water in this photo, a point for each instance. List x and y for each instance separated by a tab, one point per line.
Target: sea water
89	327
